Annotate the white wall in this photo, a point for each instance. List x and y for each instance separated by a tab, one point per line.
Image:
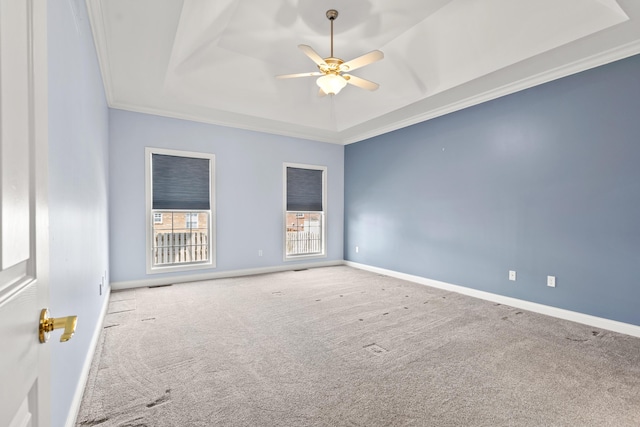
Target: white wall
78	171
249	190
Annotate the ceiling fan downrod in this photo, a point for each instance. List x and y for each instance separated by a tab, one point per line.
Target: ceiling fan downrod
332	14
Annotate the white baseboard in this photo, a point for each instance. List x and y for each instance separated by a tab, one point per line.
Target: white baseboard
598	322
84	375
159	281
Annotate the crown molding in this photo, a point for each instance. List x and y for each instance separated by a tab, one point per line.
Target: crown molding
372	128
100	41
247	123
258	125
602	58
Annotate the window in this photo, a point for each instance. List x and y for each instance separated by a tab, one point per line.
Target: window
191	220
180	208
305	211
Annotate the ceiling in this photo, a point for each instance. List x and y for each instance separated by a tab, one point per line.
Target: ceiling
215	61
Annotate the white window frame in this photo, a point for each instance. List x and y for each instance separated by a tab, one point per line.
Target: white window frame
211	263
323	254
155	218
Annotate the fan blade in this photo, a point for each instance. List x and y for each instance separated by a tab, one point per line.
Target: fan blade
363	60
312	54
293	76
361	83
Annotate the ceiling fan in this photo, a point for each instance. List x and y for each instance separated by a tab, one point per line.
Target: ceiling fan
332	70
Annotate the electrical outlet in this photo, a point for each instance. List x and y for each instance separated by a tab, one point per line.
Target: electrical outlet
357	249
551	281
512	275
259	252
100	288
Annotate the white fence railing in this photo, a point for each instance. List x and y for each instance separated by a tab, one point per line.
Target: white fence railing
303	242
175	248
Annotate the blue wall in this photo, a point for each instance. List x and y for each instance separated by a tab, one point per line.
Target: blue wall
78	179
249	190
544	182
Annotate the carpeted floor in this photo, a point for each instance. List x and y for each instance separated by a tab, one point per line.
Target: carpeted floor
342	347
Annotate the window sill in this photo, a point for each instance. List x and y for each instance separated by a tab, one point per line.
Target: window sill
179	267
303	257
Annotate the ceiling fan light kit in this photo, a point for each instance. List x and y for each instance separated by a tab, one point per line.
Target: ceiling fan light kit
332	80
331	84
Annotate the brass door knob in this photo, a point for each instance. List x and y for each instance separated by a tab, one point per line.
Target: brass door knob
48	324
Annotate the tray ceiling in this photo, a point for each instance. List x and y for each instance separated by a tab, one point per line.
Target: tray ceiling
215	61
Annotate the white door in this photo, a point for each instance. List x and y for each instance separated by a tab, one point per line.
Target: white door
24	362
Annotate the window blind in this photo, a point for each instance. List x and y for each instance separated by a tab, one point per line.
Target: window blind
304	189
180	182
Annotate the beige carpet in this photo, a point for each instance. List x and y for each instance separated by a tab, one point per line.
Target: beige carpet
343	347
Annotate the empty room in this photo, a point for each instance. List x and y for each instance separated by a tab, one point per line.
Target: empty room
319	213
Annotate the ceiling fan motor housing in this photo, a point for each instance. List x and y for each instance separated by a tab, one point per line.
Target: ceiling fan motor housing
333	66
